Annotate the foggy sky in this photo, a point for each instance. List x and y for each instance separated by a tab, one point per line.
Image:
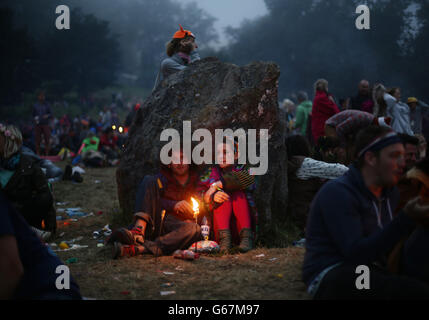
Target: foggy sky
230	12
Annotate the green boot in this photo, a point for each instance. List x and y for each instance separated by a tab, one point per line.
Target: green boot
246	240
224	240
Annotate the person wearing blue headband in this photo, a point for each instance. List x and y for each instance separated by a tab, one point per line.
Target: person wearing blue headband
352	224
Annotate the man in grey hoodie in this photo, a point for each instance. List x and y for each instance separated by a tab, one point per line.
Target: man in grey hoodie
181	51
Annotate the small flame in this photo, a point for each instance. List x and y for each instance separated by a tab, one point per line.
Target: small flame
195	206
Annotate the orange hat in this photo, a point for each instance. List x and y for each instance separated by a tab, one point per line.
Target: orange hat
182	33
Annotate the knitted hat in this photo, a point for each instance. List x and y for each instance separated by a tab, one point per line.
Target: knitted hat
182	33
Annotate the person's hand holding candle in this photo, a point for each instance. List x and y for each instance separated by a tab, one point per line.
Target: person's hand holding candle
184	207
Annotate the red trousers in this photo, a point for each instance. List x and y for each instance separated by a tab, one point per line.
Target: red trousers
237	206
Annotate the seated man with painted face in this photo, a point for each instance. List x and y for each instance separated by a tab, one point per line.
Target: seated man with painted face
152	232
351	224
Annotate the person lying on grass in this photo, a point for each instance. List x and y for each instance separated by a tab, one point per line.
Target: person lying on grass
151	231
227	191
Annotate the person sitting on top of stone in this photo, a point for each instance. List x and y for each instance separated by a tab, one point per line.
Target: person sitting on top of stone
181	51
226	189
151	232
351	224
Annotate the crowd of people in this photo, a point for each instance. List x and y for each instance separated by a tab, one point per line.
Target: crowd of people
52	136
358	180
410	117
365	203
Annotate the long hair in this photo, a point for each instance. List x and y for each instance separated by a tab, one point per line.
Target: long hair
13	140
320	84
173	46
392	91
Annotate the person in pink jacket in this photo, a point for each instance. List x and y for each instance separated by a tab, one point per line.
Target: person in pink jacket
324	107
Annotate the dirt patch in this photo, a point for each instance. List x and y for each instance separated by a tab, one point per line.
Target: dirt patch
260	274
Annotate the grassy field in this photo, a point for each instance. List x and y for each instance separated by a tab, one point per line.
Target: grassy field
259	274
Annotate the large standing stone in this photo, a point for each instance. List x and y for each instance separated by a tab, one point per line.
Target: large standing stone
213	95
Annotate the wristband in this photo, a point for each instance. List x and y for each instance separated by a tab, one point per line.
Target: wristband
212	196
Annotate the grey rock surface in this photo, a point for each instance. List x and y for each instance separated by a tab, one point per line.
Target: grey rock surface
213	95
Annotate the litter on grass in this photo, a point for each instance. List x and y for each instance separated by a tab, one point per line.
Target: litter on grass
300	243
78	170
106	231
73	247
61	203
185	255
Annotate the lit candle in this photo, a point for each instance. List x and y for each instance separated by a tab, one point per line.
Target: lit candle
196	209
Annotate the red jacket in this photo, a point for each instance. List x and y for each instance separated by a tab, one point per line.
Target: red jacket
105	141
323	109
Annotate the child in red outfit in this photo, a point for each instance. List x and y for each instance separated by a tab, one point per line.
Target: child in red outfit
226	188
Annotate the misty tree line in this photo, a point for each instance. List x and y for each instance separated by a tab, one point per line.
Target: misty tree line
313	39
309	39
